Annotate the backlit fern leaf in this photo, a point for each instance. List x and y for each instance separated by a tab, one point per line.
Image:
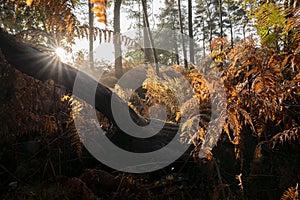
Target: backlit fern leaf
286	136
76	140
291	193
100	10
50	124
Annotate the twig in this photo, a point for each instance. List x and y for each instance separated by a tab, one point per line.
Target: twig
219	176
11	174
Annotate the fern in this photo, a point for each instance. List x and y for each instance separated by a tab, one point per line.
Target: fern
100	9
289	135
291	193
59	25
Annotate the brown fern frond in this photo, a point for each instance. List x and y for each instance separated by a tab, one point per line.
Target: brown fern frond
219	43
286	136
50	124
76	140
164	90
105	35
191	132
100	10
291	193
55	18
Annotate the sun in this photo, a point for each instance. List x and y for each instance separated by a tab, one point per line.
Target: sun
62	54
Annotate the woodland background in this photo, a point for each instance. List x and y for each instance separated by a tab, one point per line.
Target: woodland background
253	44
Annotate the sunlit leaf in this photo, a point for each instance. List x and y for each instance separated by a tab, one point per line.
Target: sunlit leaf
29	2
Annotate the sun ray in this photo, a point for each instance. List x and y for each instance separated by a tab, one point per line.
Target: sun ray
61	54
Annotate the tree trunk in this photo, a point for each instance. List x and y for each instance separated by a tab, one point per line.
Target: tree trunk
182	36
230	25
176	49
203	40
191	35
149	35
244	31
91	36
220	18
210	33
210	24
147	50
231	33
44	67
117	41
175	55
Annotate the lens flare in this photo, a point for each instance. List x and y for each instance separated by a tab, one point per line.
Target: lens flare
61	53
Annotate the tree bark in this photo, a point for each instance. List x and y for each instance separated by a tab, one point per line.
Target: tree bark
175	56
91	36
44	67
117	41
221	18
230	25
244	31
210	31
149	35
203	39
191	35
148	55
182	36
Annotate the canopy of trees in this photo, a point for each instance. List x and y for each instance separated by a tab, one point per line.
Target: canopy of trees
250	49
